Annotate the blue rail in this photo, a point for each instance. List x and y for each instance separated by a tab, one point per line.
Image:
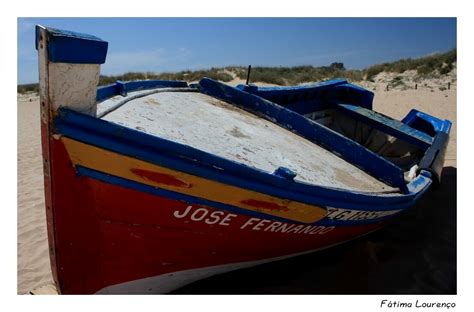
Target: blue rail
122	88
309	98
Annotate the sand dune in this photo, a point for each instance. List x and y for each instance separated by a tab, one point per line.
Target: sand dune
33	259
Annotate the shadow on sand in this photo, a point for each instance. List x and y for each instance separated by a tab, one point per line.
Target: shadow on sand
414	254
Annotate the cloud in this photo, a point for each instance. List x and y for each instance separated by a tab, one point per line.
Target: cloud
432	54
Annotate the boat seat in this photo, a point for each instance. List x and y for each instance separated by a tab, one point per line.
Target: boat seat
388	125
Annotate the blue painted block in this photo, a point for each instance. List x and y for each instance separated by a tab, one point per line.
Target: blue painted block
285	173
71	47
426	123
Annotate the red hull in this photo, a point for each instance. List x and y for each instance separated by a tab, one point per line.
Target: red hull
107	234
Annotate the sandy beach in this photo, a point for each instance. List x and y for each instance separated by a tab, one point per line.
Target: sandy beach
33	257
33	260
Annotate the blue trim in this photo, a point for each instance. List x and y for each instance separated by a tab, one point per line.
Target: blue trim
419	120
106	178
348	149
184	158
107	92
309	98
71	47
301	99
351	94
122	88
420	184
293	91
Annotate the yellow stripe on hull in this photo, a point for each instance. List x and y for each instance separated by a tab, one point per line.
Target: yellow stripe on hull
150	174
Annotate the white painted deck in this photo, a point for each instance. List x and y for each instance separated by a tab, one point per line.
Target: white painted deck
221	129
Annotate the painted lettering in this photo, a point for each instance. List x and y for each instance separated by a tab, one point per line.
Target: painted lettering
273	226
216	215
357	215
222	218
306	229
326	230
248	222
195	216
343	215
185	212
332	212
316	229
259	225
296	229
227	219
285	227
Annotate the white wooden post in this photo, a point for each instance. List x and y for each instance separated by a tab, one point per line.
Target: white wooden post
69	68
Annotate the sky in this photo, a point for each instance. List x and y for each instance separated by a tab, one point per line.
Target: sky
175	44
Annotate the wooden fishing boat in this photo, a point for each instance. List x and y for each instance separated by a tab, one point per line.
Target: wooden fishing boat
151	185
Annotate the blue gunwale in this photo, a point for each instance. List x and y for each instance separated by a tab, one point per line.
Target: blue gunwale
184	158
122	88
307	98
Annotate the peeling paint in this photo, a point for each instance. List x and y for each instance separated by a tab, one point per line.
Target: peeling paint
161	178
264	205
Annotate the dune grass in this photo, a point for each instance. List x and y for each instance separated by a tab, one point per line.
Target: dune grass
429	66
187	75
27	88
437	64
299	74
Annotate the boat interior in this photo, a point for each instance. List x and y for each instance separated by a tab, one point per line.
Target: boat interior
348	112
335	139
399	152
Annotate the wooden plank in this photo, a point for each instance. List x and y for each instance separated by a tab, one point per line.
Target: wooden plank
390	126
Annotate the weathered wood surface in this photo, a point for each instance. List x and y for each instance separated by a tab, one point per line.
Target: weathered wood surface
219	128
